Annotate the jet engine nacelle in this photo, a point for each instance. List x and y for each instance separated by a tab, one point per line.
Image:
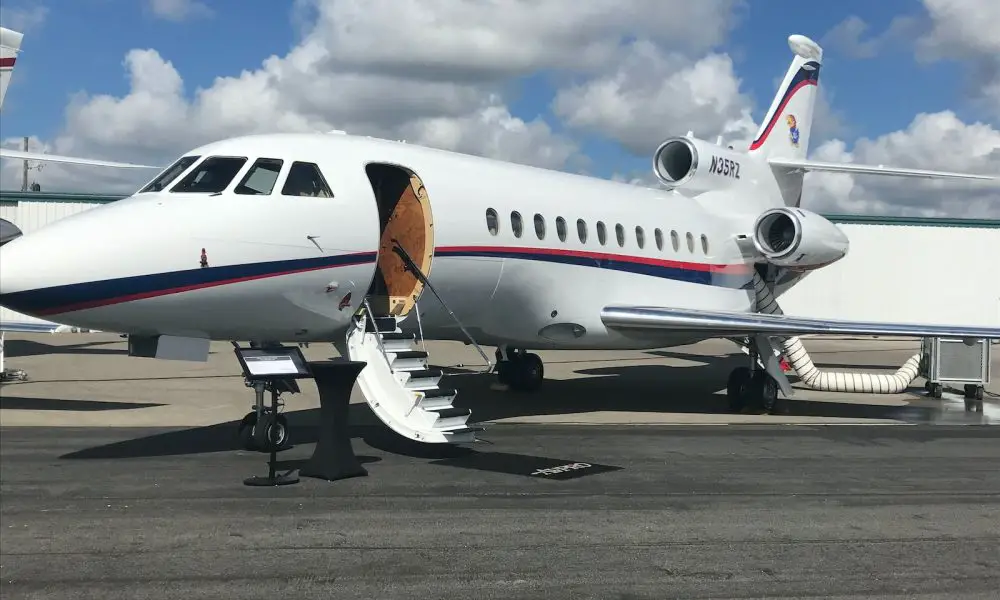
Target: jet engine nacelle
798	239
698	166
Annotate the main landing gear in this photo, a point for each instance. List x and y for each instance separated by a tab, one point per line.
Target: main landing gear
522	371
273	424
753	388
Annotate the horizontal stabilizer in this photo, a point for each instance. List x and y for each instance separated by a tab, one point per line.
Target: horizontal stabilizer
728	324
812	165
22	155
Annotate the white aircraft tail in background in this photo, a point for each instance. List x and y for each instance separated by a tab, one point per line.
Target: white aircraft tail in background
10	46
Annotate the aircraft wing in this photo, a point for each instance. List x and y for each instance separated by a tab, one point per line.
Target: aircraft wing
22	155
32	327
646	321
812	165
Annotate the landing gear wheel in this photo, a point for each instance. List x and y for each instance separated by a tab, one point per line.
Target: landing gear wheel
935	390
527	372
739	379
767	388
248	427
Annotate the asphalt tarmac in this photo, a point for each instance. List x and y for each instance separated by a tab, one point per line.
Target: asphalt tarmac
647	512
625	477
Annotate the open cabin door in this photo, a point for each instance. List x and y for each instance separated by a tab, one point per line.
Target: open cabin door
405	220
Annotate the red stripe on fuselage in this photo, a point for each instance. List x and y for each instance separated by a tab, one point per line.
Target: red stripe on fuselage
7	63
735	269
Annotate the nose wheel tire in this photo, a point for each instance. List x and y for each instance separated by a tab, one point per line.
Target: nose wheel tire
276	429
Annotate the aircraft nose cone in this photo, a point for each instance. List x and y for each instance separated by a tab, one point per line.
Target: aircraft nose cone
22	274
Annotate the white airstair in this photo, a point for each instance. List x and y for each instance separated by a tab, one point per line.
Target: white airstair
398	383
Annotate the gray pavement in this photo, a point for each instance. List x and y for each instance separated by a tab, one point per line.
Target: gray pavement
752	511
120	479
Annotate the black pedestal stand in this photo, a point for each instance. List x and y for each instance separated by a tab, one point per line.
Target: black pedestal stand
334	457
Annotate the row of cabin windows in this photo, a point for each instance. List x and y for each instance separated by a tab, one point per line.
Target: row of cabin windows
214	175
517	227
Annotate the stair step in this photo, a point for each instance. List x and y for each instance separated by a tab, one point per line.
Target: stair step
396	336
423	378
409	354
436	399
450	417
382	324
447	413
438	392
466	429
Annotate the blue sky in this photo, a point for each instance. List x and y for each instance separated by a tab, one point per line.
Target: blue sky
872	96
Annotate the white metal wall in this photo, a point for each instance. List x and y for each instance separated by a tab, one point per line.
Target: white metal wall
29	216
906	273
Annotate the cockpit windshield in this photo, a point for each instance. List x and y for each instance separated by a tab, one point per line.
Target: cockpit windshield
211	176
172	172
261	177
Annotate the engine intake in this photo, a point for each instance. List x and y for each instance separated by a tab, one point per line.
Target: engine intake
697	166
798	239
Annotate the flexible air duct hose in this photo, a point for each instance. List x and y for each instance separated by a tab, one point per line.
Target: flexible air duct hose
833	381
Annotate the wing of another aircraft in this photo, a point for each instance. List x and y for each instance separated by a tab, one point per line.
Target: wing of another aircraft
648	320
22	155
851	168
33	327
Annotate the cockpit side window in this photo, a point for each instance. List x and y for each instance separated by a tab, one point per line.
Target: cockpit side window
261	177
211	176
305	179
169	174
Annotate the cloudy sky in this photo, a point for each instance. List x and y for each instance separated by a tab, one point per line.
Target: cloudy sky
589	87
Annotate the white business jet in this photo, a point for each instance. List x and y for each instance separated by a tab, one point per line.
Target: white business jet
332	237
10	46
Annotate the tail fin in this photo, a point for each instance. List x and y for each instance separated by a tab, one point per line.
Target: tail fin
784	133
10	45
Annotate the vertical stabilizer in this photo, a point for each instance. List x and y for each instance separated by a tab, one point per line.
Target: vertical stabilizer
784	133
10	45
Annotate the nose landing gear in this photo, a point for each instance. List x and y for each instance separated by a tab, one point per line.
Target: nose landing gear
265	428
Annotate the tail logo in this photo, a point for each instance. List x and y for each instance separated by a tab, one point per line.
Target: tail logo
793	130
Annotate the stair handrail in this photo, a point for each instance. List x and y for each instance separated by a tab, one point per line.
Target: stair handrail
378	337
420	326
412	267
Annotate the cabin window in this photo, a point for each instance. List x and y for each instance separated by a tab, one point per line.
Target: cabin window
492	221
169	174
675	240
602	233
516	224
212	176
690	241
581	230
261	177
659	238
704	244
540	226
305	179
640	237
561	228
620	234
